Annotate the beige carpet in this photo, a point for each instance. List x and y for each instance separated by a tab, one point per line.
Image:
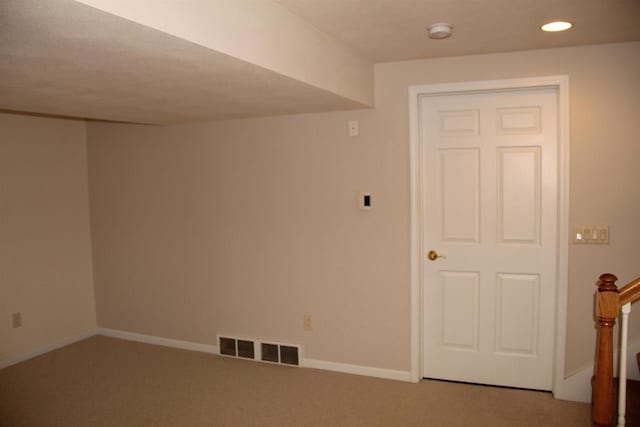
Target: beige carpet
109	382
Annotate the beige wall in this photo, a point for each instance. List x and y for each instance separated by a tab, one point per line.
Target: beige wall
45	242
244	226
604	84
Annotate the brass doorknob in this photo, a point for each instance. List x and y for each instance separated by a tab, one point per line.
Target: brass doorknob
433	255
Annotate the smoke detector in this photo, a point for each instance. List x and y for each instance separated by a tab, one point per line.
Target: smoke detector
440	30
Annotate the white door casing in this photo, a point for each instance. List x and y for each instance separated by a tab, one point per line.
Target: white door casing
486	172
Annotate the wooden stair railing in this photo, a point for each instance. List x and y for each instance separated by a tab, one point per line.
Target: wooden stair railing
609	300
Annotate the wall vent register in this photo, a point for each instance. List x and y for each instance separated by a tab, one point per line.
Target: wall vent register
262	351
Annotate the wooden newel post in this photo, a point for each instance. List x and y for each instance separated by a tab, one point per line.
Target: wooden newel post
607	308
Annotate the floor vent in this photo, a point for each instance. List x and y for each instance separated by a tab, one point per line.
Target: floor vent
262	351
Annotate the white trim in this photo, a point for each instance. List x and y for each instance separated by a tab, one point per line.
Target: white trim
150	339
415	154
415	93
306	363
559	380
389	374
577	387
46	349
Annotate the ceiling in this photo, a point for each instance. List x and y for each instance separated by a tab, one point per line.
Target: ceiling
64	58
396	30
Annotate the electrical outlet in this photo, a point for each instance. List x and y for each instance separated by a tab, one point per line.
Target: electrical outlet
16	319
307	322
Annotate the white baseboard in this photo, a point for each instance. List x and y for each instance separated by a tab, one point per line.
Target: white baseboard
577	387
307	363
46	349
368	371
150	339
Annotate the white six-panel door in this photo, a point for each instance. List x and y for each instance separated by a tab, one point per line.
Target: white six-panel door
490	174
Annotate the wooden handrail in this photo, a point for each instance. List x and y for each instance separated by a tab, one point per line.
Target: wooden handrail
630	292
609	300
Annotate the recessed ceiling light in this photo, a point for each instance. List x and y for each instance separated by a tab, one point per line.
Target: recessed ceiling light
556	26
441	30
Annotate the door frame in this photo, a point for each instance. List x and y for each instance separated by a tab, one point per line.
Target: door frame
416	93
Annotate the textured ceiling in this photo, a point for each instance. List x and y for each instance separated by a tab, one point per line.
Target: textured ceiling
395	30
62	58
